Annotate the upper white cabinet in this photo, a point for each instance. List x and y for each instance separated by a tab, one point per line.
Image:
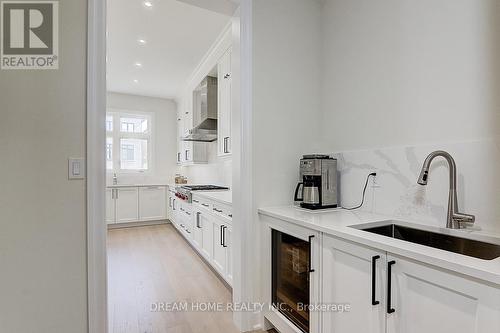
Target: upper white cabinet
152	204
216	63
224	104
188	152
354	274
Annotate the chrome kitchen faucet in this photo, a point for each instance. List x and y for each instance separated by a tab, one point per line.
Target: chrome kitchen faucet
454	218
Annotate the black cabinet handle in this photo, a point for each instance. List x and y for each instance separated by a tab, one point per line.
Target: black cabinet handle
311	270
198	220
374	276
226	145
224	236
389	283
221	236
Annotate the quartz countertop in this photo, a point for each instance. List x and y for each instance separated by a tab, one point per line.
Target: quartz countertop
338	223
225	197
137	185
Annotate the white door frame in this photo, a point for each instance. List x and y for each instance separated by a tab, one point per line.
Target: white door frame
96	168
96	174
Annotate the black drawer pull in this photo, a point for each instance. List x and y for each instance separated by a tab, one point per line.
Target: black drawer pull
389	283
374	277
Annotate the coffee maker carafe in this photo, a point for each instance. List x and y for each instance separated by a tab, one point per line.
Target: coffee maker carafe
318	186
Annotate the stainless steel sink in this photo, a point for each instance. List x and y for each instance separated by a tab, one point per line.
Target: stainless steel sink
465	246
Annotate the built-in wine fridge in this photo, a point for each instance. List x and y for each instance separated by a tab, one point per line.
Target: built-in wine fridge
291	268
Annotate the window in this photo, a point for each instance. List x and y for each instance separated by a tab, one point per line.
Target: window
131	133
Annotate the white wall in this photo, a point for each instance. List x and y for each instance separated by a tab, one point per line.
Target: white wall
285	111
218	170
414	76
404	72
286	94
43	279
164	113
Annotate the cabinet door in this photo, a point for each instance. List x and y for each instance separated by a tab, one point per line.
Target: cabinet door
224	104
197	231
188	224
127	205
207	247
175	211
110	206
219	253
355	275
188	152
152	203
169	206
229	258
426	299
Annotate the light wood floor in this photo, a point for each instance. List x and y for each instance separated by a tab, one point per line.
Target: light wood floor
154	264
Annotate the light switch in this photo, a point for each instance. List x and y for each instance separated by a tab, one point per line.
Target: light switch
76	168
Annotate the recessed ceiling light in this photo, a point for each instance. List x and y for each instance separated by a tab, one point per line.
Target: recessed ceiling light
138	65
142	41
148	4
136	81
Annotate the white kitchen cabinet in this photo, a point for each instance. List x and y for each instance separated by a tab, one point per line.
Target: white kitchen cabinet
229	253
427	299
188	224
135	204
176	213
197	230
219	256
152	204
110	206
207	247
208	231
127	204
356	275
194	153
170	211
224	104
188	152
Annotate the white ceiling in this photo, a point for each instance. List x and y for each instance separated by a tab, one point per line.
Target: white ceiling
177	37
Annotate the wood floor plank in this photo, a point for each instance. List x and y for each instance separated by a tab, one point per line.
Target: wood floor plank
154	264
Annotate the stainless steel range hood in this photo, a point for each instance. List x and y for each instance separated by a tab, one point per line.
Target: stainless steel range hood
204	112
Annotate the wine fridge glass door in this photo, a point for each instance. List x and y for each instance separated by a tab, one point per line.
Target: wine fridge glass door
290	274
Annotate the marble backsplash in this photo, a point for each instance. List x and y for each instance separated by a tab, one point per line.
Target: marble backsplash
395	190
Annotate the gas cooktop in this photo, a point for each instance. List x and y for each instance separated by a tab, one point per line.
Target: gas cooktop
184	192
204	187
